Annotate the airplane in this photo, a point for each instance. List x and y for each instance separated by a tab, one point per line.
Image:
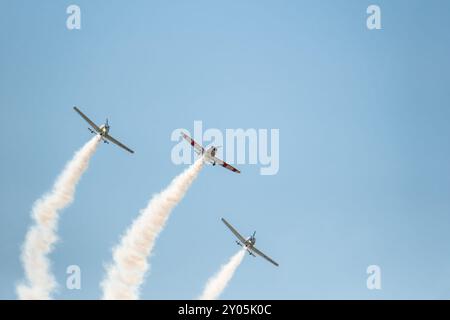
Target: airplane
209	155
103	131
248	243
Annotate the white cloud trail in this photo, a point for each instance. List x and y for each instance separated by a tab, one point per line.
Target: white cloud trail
42	235
217	284
127	272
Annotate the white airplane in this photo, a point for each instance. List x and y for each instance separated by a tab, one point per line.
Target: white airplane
248	243
103	131
209	155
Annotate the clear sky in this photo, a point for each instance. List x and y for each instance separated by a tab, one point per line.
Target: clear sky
363	116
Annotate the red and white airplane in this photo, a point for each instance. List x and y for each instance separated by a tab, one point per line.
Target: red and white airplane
209	155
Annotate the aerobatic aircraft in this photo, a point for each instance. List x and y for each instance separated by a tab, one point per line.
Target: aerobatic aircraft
248	243
208	155
103	131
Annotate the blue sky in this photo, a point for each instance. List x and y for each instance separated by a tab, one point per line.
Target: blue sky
363	117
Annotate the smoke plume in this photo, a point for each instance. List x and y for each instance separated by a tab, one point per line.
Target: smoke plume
126	274
42	235
217	284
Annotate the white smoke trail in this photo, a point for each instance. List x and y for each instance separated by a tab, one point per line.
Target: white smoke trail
126	274
42	236
216	284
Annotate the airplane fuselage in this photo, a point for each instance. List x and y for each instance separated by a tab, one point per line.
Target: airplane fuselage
248	244
104	129
210	154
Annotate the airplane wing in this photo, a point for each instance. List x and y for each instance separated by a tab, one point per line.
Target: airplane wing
118	143
225	165
263	255
198	148
92	124
237	234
